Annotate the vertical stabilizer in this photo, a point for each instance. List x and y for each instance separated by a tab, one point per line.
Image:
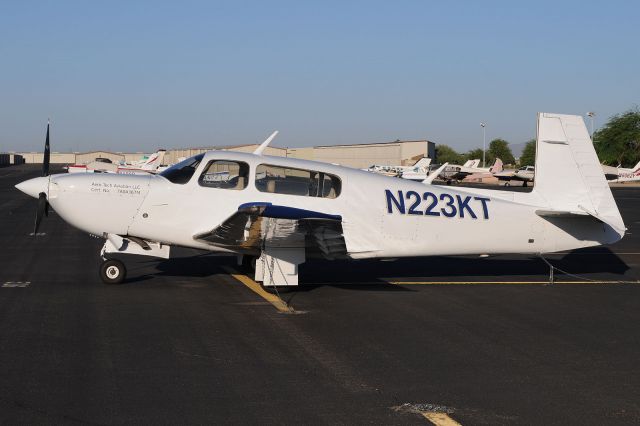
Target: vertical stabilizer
154	161
568	174
497	166
474	163
424	162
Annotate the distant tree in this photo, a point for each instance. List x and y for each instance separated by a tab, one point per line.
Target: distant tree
499	148
446	154
618	142
528	157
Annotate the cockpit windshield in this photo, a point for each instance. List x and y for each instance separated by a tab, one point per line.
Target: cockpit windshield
181	172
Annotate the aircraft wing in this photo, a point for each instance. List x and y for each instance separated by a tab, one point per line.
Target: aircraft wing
257	224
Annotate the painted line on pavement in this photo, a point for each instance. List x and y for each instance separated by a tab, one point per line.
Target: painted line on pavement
506	282
439	419
278	303
399	283
591	253
16	284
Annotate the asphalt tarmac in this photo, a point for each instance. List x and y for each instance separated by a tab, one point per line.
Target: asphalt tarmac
184	342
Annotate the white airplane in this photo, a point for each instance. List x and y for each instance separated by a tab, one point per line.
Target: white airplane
621	174
458	173
281	211
524	174
105	165
420	166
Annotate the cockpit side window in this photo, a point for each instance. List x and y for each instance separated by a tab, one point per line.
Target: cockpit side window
225	174
182	172
309	183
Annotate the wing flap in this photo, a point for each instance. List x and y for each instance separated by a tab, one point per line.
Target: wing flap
253	224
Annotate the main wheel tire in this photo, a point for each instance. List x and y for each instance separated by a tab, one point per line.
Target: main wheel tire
279	289
112	271
249	263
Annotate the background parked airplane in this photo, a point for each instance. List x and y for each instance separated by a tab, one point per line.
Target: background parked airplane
621	174
420	166
524	174
458	173
105	165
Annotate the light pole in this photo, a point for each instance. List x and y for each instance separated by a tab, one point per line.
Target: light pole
591	114
484	142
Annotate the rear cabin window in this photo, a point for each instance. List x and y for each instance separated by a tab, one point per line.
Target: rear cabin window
181	172
308	183
225	175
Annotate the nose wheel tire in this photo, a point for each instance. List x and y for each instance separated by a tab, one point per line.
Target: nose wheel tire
112	271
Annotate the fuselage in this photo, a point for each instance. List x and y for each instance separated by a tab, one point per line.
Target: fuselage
381	216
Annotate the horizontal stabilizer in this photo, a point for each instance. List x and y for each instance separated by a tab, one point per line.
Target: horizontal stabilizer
561	213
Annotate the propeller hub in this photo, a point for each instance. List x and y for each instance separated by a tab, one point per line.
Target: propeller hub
35	186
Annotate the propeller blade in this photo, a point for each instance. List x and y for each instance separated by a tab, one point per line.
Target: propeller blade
47	153
42	207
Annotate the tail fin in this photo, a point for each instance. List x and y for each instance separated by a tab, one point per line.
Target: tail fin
636	167
467	163
497	166
423	162
154	161
474	163
568	174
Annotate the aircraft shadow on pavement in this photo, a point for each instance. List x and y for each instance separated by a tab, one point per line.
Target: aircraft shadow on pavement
374	275
194	266
596	261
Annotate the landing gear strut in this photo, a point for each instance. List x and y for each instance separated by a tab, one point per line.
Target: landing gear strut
112	271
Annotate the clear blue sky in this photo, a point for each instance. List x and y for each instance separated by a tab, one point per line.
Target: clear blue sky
134	76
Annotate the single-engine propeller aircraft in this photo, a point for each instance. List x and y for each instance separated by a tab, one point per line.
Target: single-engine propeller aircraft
282	211
470	168
150	164
419	167
621	174
524	174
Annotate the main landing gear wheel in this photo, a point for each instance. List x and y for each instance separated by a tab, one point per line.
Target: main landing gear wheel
279	289
249	263
112	271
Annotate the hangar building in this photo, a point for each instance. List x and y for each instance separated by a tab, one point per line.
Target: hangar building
394	153
397	153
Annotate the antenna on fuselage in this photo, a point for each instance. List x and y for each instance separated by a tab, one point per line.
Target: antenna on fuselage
434	174
264	144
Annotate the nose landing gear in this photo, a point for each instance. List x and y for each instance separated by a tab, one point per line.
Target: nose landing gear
112	271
